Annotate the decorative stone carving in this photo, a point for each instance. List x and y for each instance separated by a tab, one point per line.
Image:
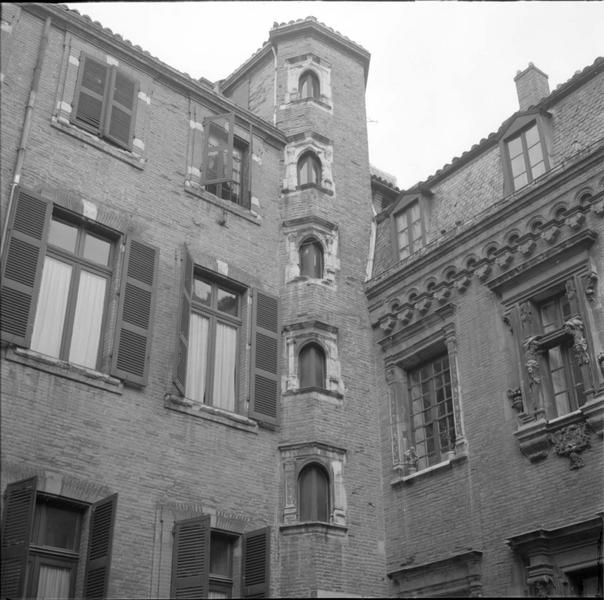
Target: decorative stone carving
515	398
593	411
601	362
533	440
423	305
571	440
591	285
531	361
598	207
387	324
551	233
527	247
574	326
571	292
575	221
544	588
411	459
442	295
483	271
526	314
504	259
406	316
462	284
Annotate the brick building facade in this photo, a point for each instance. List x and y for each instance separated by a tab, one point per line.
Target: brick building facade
196	400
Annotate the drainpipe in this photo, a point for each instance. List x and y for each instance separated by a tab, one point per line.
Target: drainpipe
371	257
26	125
275	87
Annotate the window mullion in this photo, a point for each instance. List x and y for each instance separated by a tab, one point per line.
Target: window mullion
70	311
525	157
108	99
211	359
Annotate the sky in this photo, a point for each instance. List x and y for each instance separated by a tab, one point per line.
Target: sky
441	75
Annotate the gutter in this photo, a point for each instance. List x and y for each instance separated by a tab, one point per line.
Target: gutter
372	240
29	109
274	87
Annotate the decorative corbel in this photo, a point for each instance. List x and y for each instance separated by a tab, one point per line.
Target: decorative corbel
571	440
406	315
551	233
483	271
387	324
411	459
515	398
462	283
504	259
423	305
574	326
527	247
598	207
442	295
591	285
531	361
575	221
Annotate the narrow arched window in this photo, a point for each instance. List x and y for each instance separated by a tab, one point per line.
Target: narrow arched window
309	85
312	366
313	493
309	169
311	259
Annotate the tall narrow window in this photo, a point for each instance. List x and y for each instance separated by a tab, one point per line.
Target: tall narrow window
312	366
309	85
71	302
309	169
409	230
221	565
313	493
311	259
213	342
432	420
526	157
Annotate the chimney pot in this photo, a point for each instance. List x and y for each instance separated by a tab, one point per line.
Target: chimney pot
531	86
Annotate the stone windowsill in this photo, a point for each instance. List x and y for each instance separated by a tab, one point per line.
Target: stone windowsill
330	529
323	282
310	100
227	205
89	138
210	413
447	464
316	392
62	368
308	186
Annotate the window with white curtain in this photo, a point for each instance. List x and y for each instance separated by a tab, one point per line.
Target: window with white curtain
73	291
213	344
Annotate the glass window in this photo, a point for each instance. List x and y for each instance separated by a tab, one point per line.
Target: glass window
71	302
221	565
213	345
309	85
311	259
410	230
312	366
313	486
526	157
309	169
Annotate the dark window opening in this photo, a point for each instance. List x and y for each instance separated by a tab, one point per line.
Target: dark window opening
313	485
311	259
309	169
526	157
309	85
312	366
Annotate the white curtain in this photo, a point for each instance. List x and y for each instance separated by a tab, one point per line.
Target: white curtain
52	303
53	582
197	358
223	394
87	320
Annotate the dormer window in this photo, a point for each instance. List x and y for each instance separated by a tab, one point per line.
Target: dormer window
309	85
309	169
526	156
410	233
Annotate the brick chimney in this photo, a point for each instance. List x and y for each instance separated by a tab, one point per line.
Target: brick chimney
531	85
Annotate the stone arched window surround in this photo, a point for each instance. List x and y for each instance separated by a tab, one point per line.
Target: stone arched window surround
294	457
323	150
311	79
309	158
326	501
316	349
326	336
312	241
296	67
326	233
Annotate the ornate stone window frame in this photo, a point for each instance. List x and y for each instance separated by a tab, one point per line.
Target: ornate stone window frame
74	48
296	456
326	233
420	347
322	147
295	67
297	335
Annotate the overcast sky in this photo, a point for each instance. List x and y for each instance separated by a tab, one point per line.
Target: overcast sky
441	75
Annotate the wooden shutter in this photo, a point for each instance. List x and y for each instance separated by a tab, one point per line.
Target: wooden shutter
132	345
218	159
247	200
22	266
264	385
90	95
191	558
256	564
121	105
186	291
19	507
100	537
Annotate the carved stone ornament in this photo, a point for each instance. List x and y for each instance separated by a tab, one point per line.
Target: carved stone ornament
575	221
531	361
442	295
526	314
574	326
387	324
527	247
423	305
406	316
411	458
591	285
462	283
483	271
504	260
515	397
550	235
571	440
601	362
544	588
598	207
571	292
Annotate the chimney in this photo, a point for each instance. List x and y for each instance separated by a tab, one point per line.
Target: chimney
531	85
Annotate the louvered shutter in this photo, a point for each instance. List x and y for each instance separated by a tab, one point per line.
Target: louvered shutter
247	201
191	558
264	385
218	149
132	344
22	266
100	538
19	507
90	96
180	370
256	564
123	93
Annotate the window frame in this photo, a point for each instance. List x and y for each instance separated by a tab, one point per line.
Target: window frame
406	210
107	102
315	506
313	242
316	168
216	581
528	168
315	88
306	347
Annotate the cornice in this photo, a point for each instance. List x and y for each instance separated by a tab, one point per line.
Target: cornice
74	23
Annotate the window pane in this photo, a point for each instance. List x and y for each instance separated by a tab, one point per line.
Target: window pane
220	556
549	316
223	394
52	303
518	165
401	222
87	320
218	151
417	234
535	155
56	526
62	235
538	169
314	494
415	212
217	595
53	582
532	136
197	358
312	367
515	147
520	181
96	249
203	292
311	260
227	302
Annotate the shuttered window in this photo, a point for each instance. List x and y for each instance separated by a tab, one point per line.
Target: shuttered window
105	101
191	558
256	564
41	544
